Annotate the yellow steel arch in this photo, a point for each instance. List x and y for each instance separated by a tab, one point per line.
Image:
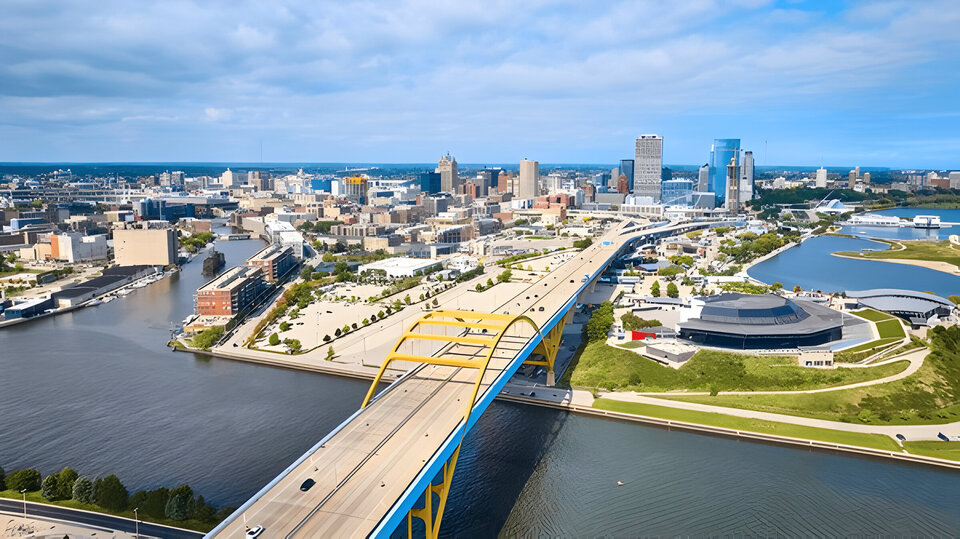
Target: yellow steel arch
500	324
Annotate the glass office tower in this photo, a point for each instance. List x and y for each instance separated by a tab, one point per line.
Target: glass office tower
721	152
626	168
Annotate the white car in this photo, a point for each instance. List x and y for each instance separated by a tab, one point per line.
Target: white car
254	531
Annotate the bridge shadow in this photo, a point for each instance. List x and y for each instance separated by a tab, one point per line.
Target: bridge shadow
498	456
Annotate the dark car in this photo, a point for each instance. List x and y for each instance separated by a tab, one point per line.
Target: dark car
305	486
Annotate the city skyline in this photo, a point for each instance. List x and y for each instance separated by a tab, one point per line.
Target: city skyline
798	82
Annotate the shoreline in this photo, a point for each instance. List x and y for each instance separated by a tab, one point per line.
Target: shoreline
368	373
935	265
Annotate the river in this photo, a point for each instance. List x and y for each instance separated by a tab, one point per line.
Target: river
96	389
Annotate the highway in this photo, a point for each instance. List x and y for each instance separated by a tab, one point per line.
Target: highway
365	466
96	520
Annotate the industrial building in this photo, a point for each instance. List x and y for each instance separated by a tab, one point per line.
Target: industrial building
917	308
109	280
402	267
766	321
231	292
141	246
275	261
75	247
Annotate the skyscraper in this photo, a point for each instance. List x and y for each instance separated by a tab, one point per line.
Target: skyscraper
529	179
449	178
821	177
721	152
647	166
626	168
703	178
733	187
746	177
429	182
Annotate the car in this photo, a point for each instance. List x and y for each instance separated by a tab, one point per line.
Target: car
254	531
306	485
571	280
541	309
234	345
901	437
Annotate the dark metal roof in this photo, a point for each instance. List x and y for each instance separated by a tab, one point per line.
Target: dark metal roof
766	314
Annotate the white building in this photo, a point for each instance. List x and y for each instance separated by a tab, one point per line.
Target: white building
74	247
746	177
402	266
648	166
821	177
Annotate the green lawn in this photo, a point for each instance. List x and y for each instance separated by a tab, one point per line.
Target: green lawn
600	365
890	329
874	441
930	396
36	497
872	344
938	449
632	344
938	251
872	315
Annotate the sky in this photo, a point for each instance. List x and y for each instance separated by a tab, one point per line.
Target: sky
839	83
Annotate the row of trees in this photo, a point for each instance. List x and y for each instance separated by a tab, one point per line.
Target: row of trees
672	290
110	494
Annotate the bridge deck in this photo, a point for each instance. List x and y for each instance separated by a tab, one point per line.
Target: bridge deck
365	467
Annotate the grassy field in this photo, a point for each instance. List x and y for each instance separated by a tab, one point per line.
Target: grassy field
632	345
874	441
940	450
873	316
890	329
871	345
36	497
937	251
600	365
930	396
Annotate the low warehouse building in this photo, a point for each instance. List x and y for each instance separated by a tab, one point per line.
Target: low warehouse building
766	321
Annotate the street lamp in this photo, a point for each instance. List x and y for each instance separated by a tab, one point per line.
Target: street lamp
24	492
136	519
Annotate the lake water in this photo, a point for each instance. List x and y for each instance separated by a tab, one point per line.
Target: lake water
96	389
811	265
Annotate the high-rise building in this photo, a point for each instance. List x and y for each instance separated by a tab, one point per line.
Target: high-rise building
746	177
722	151
142	246
866	177
494	176
703	178
733	187
852	178
529	179
355	187
955	180
226	179
648	166
623	185
676	192
821	177
449	178
626	168
429	182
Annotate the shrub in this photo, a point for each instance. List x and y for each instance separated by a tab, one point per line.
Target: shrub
83	490
26	479
338	332
274	339
330	353
326	338
284	326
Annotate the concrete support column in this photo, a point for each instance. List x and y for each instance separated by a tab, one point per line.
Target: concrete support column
551	378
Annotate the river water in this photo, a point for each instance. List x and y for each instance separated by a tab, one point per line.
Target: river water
97	390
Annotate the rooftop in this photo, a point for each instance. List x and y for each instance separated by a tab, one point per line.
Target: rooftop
231	278
762	314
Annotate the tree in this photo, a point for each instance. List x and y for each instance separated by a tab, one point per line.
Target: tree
672	290
479	287
504	276
66	479
655	289
203	511
600	321
274	339
489	283
26	479
330	353
406	299
155	504
346	328
3	485
326	338
797	289
341	267
366	321
50	488
327	257
293	344
110	493
338	332
284	326
306	272
776	286
178	504
380	314
83	490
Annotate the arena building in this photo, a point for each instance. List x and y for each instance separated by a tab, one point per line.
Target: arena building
767	321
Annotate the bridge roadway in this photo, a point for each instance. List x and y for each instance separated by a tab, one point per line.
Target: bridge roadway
366	465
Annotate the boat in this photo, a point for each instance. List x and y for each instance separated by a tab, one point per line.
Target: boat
93	303
125	291
873	220
926	221
213	262
108	299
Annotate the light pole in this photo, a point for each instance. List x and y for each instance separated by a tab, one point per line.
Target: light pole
24	492
136	519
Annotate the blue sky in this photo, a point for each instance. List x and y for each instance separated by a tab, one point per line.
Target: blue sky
804	83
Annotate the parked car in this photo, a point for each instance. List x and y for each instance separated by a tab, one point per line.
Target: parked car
306	485
254	531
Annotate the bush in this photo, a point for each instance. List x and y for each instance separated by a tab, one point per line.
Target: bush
83	490
338	332
110	493
50	488
208	337
284	326
26	479
326	338
330	353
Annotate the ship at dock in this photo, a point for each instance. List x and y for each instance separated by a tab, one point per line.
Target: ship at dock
213	262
